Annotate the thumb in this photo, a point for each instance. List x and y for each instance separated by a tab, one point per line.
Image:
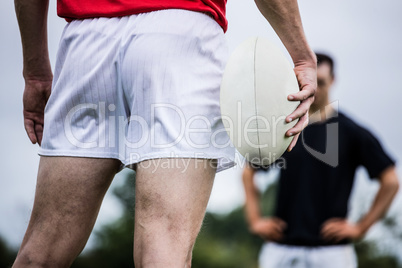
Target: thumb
30	129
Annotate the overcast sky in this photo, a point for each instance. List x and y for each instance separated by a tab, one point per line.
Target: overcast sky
364	36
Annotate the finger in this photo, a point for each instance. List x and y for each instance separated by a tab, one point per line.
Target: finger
332	220
328	229
277	228
332	231
39	132
339	238
329	234
276	236
330	237
336	236
306	92
281	223
30	129
293	143
296	129
300	111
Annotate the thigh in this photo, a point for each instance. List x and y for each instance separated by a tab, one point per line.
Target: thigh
68	196
171	196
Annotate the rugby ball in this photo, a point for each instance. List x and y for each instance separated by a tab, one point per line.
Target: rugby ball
253	99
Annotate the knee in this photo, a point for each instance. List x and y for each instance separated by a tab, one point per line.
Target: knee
163	250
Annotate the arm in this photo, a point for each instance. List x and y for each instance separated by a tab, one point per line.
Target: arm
338	229
252	207
284	17
267	228
388	189
32	20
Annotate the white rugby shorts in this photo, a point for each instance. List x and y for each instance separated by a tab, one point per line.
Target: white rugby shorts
139	87
273	255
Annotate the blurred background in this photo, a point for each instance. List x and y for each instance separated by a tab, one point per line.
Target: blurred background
365	39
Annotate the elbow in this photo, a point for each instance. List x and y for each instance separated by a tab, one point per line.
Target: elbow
396	185
392	184
394	188
389	179
263	5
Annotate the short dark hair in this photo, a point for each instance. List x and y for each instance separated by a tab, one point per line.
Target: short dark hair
325	58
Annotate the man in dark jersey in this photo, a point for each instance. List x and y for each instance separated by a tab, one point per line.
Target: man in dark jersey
309	227
118	60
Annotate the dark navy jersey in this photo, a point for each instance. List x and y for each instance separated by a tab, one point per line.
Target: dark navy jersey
317	178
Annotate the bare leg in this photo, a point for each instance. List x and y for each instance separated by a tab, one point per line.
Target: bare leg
68	196
170	205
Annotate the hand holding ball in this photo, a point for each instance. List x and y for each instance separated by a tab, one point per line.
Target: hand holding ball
256	82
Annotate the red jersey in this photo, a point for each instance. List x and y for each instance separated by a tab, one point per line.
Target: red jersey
81	9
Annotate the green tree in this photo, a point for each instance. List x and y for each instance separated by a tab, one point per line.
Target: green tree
368	257
225	241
